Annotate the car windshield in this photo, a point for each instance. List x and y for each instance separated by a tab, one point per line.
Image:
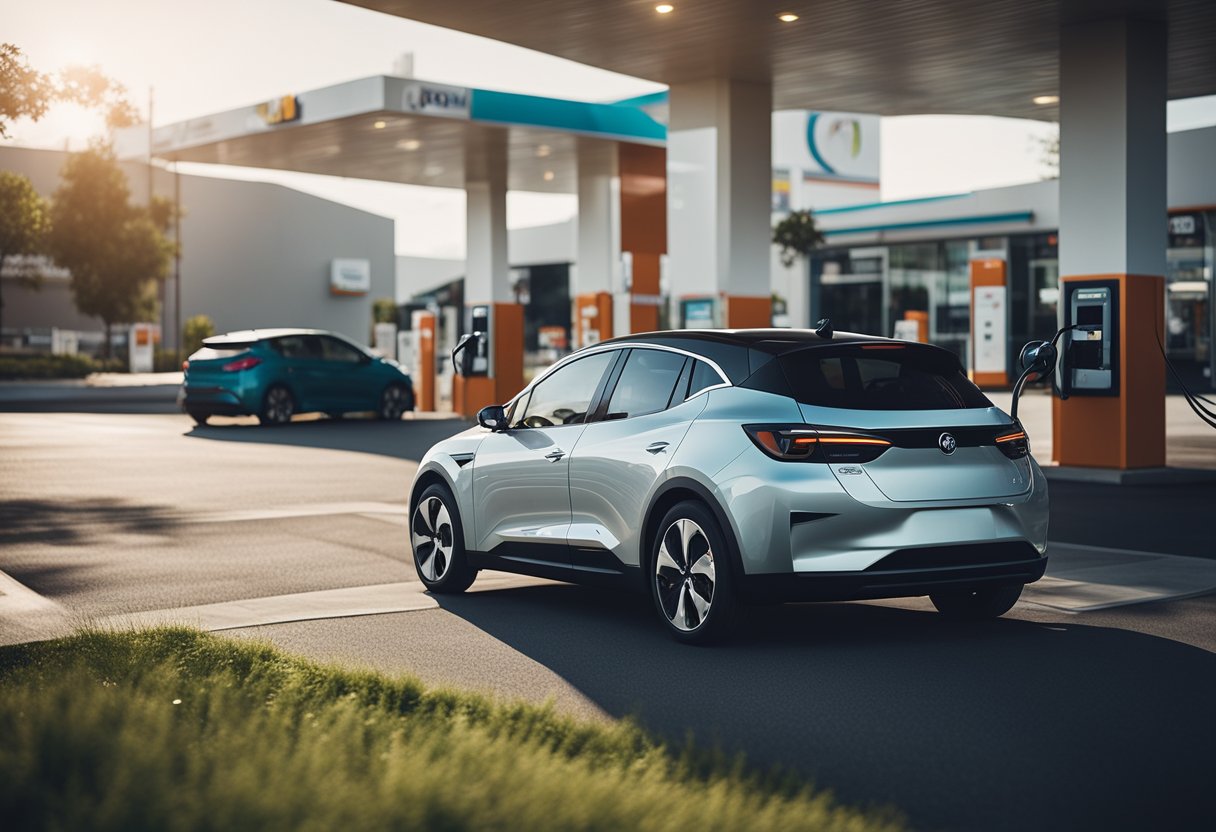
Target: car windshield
880	377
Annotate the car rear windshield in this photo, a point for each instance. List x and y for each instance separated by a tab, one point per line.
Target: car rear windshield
880	377
211	353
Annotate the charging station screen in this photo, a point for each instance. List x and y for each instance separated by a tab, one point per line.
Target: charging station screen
1089	315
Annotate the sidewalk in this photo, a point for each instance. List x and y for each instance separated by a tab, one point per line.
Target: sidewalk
99	392
1088	578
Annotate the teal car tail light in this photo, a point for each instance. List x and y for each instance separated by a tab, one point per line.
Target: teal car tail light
246	363
806	443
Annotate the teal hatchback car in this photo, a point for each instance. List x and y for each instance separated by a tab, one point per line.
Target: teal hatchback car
275	373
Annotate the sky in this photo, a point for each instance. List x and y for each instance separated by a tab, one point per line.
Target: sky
206	57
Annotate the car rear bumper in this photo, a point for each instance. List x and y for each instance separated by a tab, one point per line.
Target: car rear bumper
906	573
218	401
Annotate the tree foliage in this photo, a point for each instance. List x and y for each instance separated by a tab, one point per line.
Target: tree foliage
23	225
27	93
1049	155
797	235
384	311
194	331
23	217
115	251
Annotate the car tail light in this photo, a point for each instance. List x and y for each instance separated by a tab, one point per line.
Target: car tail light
806	443
246	363
185	366
1014	445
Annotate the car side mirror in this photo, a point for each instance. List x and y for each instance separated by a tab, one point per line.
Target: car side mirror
493	417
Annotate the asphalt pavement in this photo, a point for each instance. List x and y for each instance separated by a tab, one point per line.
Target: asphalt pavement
1044	719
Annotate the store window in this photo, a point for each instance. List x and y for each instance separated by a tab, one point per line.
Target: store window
1188	320
1034	290
847	287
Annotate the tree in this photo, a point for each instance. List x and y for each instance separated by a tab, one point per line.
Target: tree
23	226
27	93
194	331
797	235
1049	155
115	251
384	311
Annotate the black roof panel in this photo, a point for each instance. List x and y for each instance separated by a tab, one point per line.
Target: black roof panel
740	352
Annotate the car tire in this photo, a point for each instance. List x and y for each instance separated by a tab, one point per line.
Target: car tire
977	604
695	601
394	401
437	541
278	406
200	418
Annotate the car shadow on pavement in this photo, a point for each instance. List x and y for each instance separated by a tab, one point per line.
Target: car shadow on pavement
405	439
998	725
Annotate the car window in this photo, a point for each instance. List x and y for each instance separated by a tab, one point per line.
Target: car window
703	376
564	396
646	383
334	349
298	346
679	394
880	378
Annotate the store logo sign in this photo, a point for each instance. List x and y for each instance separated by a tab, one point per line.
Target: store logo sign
436	99
279	110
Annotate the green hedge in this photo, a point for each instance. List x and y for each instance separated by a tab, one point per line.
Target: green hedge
54	366
174	729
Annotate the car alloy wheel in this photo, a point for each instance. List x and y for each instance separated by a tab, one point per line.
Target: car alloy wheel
685	576
392	403
431	533
278	407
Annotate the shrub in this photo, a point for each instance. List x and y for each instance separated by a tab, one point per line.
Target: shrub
53	366
194	330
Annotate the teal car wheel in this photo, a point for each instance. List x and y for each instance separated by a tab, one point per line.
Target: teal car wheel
278	406
394	401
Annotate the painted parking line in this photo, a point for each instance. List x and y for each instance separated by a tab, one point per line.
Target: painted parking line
300	510
348	602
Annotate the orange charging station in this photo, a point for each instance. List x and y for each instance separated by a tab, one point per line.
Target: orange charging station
1125	430
505	374
592	318
424	367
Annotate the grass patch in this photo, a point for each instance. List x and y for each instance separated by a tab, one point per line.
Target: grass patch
171	728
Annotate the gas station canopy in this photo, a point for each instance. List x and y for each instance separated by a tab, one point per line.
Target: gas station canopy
889	57
409	131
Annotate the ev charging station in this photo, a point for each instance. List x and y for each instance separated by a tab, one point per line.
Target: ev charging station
1111	411
1092	352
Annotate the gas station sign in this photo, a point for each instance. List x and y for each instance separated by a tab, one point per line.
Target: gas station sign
279	110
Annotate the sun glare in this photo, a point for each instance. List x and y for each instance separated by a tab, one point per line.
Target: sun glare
74	125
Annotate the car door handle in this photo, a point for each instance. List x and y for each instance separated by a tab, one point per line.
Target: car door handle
554	456
656	447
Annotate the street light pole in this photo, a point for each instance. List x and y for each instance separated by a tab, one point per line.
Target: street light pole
177	261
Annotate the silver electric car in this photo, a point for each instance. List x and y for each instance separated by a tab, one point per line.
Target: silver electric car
715	468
